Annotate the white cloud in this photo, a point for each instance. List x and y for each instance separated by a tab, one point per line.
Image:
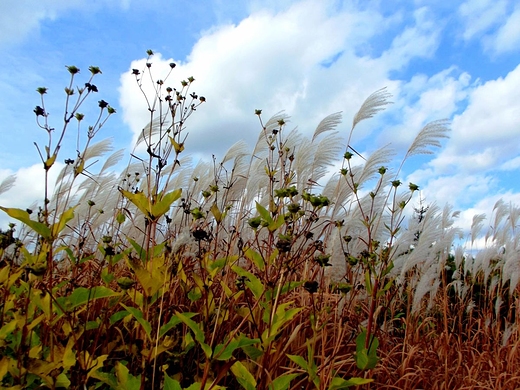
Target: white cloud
479	16
482	144
507	38
482	134
29	188
420	40
495	22
303	59
424	99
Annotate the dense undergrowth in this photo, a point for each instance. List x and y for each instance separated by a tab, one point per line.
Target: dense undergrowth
245	272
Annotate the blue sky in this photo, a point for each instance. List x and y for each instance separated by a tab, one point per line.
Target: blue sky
457	60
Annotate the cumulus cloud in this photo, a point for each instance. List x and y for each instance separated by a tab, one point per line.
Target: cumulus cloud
467	169
479	16
303	59
28	189
507	38
482	134
496	23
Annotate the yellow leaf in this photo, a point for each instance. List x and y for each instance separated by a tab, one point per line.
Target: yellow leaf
23	216
176	146
96	364
50	162
164	204
64	218
69	356
139	200
216	213
4	365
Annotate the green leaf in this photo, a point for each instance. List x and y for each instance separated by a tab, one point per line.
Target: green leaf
23	216
7	329
82	295
223	352
138	315
299	361
255	257
368	282
125	380
282	382
194	294
264	213
140	250
281	318
62	381
274	225
69	356
174	321
254	284
244	377
118	316
197	331
171	384
366	359
340	383
253	352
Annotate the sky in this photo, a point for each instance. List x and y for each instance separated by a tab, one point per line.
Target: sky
458	60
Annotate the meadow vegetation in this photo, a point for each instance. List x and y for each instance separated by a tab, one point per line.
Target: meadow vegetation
258	271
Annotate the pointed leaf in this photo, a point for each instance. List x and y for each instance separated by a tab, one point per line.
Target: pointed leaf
64	218
255	257
174	321
340	383
82	295
138	315
49	162
276	224
197	331
244	377
254	284
23	216
171	384
139	200
264	213
176	146
164	204
216	213
282	382
223	352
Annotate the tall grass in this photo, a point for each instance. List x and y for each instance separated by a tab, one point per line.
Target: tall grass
256	271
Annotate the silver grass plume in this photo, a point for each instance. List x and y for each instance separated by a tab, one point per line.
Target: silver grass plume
376	160
113	159
261	146
151	130
238	149
325	153
427	137
476	226
7	183
98	149
328	123
372	105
